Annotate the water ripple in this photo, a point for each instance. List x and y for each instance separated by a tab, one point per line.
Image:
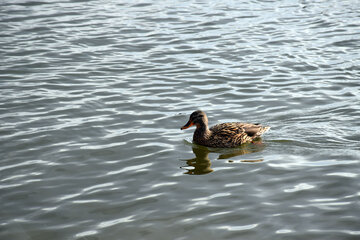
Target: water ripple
93	96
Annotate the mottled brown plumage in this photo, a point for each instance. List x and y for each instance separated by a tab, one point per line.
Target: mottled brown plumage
224	135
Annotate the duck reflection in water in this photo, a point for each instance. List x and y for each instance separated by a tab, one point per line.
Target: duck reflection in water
201	164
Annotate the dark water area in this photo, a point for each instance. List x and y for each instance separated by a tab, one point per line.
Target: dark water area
93	95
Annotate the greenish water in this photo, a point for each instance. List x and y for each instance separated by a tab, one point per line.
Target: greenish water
93	95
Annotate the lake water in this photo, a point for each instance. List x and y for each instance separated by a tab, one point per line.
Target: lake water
93	95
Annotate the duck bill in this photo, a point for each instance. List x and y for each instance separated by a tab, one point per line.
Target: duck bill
187	125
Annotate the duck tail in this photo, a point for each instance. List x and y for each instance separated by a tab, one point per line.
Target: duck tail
263	130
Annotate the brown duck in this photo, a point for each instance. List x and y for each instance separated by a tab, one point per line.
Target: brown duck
224	135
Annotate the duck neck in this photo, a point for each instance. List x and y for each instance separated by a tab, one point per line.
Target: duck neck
202	131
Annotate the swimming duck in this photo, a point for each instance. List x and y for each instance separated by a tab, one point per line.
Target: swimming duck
224	135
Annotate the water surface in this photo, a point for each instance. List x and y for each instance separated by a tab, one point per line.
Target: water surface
93	95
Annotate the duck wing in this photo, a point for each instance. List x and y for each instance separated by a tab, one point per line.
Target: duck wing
234	134
227	129
229	135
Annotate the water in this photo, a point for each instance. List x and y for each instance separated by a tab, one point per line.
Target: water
93	95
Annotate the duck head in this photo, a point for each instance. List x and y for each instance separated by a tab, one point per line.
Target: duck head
197	118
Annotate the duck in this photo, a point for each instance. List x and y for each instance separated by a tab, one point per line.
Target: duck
223	135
